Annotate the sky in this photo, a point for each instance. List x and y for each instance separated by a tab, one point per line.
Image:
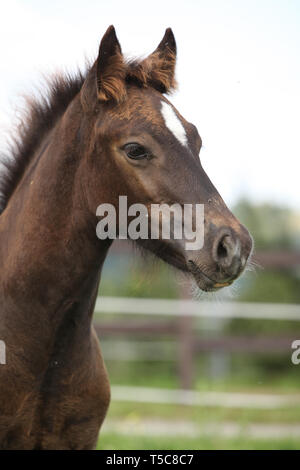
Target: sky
238	71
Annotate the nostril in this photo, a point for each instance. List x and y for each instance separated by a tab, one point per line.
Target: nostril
228	252
225	250
222	251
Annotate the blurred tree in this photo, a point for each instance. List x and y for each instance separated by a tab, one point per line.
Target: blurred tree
272	226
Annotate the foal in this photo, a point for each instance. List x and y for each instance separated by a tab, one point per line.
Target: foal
110	133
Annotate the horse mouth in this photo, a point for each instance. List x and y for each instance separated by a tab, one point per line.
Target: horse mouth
204	282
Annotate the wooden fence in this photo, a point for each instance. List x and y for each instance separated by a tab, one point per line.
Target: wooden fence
176	318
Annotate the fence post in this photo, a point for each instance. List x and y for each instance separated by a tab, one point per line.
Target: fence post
186	349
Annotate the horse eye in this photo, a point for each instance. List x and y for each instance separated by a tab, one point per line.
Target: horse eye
136	151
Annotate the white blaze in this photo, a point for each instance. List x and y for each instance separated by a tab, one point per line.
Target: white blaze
173	123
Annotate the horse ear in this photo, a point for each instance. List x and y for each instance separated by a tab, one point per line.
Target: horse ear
160	65
168	43
110	68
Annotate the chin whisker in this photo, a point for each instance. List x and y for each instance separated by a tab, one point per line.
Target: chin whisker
230	292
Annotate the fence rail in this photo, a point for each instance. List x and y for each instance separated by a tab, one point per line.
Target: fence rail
202	309
179	318
207	399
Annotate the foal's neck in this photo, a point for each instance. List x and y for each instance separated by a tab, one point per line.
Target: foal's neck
48	228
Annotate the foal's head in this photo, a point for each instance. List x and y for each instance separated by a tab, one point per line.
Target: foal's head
141	147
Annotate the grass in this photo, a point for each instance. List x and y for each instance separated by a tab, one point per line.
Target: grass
245	377
130	413
138	411
111	441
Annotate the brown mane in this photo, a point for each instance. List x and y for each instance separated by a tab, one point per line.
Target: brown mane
39	117
41	114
